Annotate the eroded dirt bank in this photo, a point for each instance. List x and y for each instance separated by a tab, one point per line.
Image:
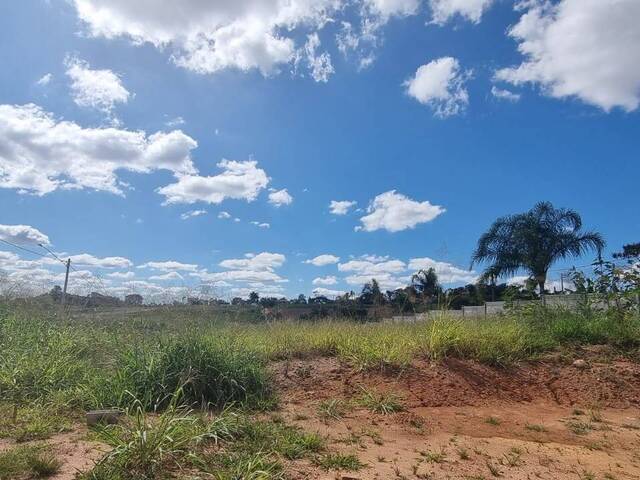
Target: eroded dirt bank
547	419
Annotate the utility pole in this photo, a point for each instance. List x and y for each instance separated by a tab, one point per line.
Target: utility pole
562	282
66	282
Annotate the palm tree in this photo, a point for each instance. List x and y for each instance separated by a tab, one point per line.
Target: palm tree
534	241
425	283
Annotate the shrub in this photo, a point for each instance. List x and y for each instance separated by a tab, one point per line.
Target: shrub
209	373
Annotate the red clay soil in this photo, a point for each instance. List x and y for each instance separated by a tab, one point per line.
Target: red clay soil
453	382
546	419
462	420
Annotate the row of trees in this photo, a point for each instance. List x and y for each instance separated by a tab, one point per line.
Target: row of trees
532	242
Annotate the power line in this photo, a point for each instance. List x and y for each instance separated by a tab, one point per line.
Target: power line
22	248
54	255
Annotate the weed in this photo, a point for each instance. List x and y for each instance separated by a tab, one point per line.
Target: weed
463	453
493	469
333	409
434	457
587	475
144	445
512	458
493	421
384	403
579	427
339	461
535	428
27	462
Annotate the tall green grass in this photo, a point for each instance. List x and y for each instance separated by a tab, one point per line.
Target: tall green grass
98	363
210	373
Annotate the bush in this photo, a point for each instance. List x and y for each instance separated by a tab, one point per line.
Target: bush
209	372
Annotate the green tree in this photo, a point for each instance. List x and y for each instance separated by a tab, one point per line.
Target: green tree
254	298
425	283
533	241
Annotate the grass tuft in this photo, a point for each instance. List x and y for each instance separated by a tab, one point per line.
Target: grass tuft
27	462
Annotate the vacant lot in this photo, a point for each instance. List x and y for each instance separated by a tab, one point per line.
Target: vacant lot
536	394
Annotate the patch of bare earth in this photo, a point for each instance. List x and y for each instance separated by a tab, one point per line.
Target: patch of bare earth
73	450
463	420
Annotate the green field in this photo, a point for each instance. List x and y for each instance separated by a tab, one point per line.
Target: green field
53	368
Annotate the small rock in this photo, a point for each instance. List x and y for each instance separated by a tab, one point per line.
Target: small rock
580	364
108	417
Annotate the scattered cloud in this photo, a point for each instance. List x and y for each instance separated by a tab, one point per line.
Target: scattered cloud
326	292
44	80
443	10
280	197
587	49
98	89
262	261
175	122
41	154
23	235
224	215
320	66
121	275
170	265
328	280
439	84
371	268
193	213
88	260
341	207
207	37
395	212
252	268
240	180
260	224
504	94
323	260
165	277
447	272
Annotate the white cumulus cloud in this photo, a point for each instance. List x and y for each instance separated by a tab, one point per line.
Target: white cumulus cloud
209	36
395	212
322	260
88	260
170	265
447	272
262	261
444	10
504	94
238	180
40	154
280	197
23	235
587	49
439	84
166	277
341	207
98	89
328	280
327	292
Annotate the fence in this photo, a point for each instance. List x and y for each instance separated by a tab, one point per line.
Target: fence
569	301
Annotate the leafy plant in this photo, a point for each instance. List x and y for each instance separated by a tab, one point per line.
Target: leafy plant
384	403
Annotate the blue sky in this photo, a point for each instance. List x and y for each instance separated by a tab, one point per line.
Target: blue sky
435	117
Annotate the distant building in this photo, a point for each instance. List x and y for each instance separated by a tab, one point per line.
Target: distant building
133	299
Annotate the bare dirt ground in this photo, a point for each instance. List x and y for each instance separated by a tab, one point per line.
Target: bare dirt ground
548	420
462	420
